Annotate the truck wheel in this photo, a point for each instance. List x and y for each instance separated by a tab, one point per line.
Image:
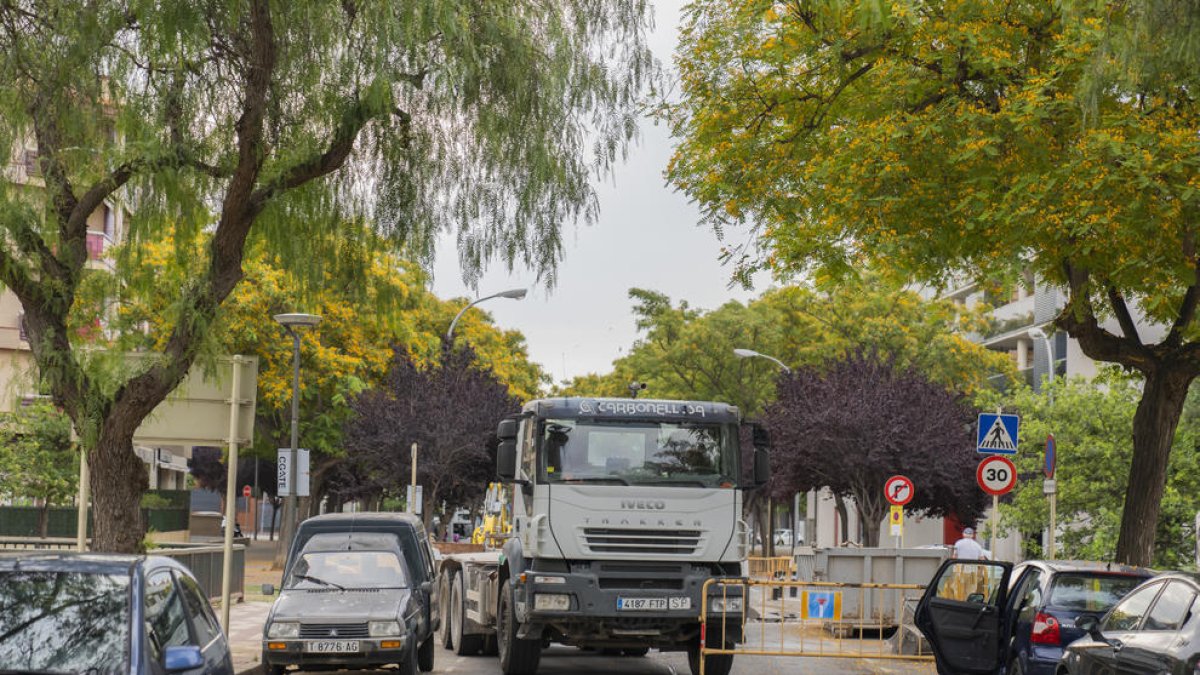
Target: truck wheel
425	655
517	656
717	664
445	635
489	645
464	644
640	651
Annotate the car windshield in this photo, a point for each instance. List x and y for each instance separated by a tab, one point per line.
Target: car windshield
1090	592
682	454
348	570
68	622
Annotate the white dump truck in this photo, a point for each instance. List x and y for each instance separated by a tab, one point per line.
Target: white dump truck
622	509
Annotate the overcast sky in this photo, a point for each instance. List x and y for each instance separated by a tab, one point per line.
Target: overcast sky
647	236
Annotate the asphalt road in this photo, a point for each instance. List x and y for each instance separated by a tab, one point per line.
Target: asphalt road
570	661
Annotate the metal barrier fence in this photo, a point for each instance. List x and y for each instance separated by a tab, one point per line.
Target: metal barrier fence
781	617
778	567
203	560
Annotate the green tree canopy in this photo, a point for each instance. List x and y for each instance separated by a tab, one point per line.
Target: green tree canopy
943	139
282	123
688	353
38	459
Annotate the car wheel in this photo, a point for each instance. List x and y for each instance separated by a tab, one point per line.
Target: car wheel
269	668
464	644
409	665
445	635
517	656
425	654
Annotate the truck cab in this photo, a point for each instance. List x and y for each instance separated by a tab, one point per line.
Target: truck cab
622	510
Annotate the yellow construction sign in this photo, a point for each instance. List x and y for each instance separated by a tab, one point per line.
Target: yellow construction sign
896	520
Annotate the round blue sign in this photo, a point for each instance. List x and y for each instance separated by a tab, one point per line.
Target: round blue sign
1051	456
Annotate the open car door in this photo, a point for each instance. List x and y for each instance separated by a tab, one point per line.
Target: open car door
963	616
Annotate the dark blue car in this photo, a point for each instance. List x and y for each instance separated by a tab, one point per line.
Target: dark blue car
102	614
1050	596
985	617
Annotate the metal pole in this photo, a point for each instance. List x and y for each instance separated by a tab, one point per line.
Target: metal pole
292	498
1052	544
1051	539
256	499
412	507
995	522
235	404
84	495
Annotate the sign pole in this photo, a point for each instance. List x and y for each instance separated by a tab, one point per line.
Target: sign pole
235	403
84	496
995	522
1053	518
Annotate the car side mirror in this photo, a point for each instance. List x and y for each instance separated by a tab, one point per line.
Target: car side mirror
506	460
268	589
426	587
182	657
976	598
1090	625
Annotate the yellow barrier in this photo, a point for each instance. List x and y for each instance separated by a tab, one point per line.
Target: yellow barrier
780	617
779	567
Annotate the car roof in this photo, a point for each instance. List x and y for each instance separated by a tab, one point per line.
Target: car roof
70	561
1193	577
1092	567
367	517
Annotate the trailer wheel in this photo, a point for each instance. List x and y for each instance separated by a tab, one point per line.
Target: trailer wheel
517	656
464	643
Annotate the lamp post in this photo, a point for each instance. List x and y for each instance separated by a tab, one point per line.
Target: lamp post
750	353
293	324
1049	487
512	294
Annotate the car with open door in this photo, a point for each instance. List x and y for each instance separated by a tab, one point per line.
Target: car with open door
964	615
1153	629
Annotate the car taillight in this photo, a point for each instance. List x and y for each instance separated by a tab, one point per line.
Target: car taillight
1045	630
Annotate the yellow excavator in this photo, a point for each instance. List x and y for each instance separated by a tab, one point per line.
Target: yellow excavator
497	521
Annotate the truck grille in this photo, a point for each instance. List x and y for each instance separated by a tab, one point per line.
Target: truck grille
628	540
330	630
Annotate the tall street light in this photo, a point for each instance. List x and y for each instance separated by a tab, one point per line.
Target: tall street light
1049	487
750	353
513	294
294	324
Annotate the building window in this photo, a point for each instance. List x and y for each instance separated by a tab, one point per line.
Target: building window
32	167
110	221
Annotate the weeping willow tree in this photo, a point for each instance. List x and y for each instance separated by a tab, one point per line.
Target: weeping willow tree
242	122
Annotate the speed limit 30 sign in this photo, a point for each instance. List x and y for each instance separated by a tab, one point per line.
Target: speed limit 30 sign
996	475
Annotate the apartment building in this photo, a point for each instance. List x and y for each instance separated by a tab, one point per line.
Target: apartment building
167	466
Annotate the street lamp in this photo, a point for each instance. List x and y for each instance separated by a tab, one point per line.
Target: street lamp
513	294
1049	487
293	324
750	353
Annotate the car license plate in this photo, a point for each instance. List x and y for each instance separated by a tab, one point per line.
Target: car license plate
331	646
653	604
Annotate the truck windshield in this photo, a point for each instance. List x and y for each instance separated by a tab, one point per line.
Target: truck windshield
683	454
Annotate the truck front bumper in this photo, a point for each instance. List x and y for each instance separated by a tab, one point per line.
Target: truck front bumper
606	602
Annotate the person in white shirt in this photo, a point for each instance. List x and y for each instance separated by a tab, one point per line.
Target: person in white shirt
967	548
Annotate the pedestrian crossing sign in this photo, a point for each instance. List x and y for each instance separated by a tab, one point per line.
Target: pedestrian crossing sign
822	605
997	434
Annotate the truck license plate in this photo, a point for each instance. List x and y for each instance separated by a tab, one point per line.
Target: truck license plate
331	646
654	604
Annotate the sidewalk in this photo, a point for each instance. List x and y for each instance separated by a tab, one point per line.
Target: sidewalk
246	618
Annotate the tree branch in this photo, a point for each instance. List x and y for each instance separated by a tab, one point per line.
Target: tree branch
1121	309
1078	318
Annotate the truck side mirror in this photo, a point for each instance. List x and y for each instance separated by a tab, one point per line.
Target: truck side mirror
507	429
762	467
506	460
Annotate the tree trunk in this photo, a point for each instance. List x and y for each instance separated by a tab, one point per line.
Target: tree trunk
44	519
844	516
870	514
118	480
1153	433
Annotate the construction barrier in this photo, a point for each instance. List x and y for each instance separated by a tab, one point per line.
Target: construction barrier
778	567
783	617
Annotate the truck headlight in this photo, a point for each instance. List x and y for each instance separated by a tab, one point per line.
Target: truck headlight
551	602
284	630
384	628
725	604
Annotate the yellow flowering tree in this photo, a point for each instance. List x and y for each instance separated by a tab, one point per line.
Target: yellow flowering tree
943	138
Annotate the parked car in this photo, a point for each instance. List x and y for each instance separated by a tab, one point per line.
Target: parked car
89	613
980	616
358	590
1049	597
1154	629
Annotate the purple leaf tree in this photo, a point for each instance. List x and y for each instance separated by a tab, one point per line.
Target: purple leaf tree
851	423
